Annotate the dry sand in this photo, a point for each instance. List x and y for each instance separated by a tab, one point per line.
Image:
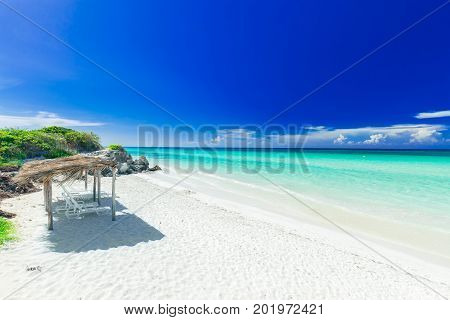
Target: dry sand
176	245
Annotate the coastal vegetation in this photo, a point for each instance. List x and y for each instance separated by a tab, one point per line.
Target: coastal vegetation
117	147
6	230
17	145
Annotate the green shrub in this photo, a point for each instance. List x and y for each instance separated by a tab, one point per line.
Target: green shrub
115	147
56	130
6	230
51	142
16	163
52	154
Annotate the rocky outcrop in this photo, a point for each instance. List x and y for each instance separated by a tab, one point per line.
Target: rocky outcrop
155	168
8	188
126	163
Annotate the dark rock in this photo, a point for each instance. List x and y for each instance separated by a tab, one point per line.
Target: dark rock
123	168
126	164
8	188
107	172
120	156
140	165
138	168
7	215
142	161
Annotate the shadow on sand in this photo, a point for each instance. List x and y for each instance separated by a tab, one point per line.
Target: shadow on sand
98	232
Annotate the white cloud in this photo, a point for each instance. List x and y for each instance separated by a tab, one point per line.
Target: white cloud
43	119
230	135
437	114
236	133
400	134
389	132
340	139
315	127
425	135
217	139
375	139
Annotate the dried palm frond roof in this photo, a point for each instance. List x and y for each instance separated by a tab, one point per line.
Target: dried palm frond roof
63	169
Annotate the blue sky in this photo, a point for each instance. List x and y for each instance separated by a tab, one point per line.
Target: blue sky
233	63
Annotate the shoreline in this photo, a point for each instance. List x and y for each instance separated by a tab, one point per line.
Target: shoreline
177	246
418	241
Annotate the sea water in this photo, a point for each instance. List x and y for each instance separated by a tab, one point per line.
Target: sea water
402	186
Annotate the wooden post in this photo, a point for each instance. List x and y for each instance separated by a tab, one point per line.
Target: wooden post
50	209
113	196
85	179
48	203
45	196
94	191
99	176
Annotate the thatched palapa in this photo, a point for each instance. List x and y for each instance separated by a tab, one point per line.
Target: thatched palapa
66	170
63	169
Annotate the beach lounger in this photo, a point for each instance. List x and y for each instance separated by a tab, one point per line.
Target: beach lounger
76	208
80	194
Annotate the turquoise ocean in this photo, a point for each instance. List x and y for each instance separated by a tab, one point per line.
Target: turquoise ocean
404	186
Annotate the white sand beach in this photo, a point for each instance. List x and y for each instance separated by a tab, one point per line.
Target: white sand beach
182	244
